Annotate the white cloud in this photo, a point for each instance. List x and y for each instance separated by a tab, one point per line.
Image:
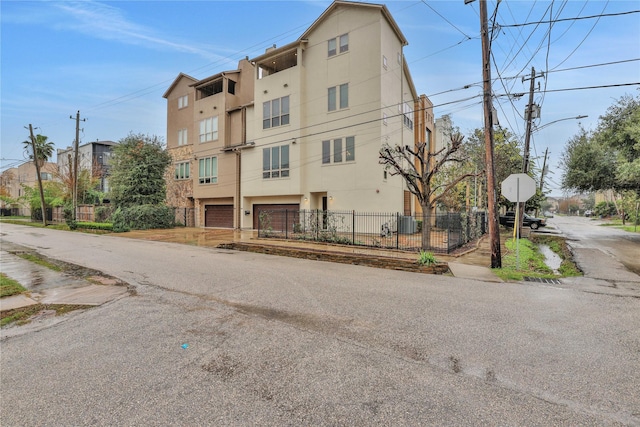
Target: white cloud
106	22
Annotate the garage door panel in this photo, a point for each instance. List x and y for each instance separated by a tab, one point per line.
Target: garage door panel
218	216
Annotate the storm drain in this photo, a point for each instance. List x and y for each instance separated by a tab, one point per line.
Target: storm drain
539	280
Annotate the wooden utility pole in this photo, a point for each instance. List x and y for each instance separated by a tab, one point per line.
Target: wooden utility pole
37	163
75	163
529	117
492	197
527	139
544	169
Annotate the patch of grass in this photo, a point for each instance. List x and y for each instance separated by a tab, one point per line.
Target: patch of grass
37	224
19	316
9	287
531	262
22	316
617	223
557	244
38	260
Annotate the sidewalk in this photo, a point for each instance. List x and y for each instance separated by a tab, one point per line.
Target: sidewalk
47	286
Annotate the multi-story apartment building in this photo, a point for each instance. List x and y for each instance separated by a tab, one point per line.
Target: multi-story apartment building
299	127
92	156
206	133
324	105
14	180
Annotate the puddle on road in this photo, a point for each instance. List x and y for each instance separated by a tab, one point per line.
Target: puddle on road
552	259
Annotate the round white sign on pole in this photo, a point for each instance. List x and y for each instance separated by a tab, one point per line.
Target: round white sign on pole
518	187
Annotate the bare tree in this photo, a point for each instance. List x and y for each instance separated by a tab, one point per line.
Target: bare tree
418	167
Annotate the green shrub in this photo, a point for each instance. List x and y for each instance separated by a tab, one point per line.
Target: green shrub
68	217
426	258
103	213
143	217
95	226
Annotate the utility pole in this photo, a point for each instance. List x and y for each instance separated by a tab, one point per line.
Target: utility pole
527	138
75	163
544	169
37	163
529	118
492	199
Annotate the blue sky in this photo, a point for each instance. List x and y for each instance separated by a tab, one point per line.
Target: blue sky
113	60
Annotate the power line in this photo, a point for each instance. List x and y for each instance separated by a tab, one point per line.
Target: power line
448	22
591	66
578	18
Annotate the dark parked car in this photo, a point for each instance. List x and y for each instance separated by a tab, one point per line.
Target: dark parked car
534	223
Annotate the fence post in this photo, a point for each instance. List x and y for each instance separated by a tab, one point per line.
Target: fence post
317	224
448	231
397	230
353	227
286	223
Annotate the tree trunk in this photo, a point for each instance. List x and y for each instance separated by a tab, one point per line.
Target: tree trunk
426	227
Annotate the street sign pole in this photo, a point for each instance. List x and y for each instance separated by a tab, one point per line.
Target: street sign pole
515	224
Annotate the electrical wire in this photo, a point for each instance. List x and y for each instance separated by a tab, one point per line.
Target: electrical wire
602	15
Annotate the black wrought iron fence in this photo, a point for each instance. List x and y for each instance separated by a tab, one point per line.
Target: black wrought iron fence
184	216
437	233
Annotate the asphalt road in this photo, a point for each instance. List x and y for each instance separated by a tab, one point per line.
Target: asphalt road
611	243
278	341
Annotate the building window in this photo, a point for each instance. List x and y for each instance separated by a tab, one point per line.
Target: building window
231	87
407	116
384	119
183	101
208	170
384	62
332	94
183	170
209	129
326	152
46	176
275	162
182	137
337	150
342	41
275	112
331	47
350	152
211	89
340	151
399	58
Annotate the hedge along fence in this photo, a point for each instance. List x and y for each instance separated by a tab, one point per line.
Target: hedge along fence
103	226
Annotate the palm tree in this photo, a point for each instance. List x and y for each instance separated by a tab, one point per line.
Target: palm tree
40	151
44	149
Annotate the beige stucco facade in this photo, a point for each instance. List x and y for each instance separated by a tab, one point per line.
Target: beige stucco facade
14	180
206	129
380	109
305	124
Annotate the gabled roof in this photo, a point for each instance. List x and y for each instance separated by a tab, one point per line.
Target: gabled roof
176	81
303	38
383	9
